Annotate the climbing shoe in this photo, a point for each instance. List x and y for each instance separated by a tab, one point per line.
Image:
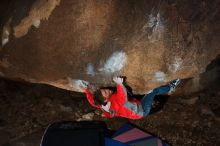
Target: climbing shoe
173	84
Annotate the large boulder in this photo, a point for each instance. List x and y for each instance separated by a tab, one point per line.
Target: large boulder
151	42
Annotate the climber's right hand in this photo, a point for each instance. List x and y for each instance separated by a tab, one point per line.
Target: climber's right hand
118	80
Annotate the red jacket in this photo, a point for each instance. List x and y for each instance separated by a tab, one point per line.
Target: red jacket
120	106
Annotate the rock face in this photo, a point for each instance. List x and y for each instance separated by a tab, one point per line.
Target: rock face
58	42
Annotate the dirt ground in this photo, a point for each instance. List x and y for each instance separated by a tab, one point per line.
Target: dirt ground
27	109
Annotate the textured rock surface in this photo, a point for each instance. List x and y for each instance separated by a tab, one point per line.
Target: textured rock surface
150	42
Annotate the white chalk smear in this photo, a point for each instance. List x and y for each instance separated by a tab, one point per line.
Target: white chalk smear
6	32
90	69
5	36
77	85
115	63
155	24
152	21
36	23
176	65
5	41
160	76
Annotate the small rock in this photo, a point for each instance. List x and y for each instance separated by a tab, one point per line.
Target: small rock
209	112
175	109
53	112
65	108
184	115
80	119
206	111
36	23
190	101
195	123
77	114
46	101
88	116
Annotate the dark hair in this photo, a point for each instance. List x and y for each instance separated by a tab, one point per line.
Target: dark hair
98	98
